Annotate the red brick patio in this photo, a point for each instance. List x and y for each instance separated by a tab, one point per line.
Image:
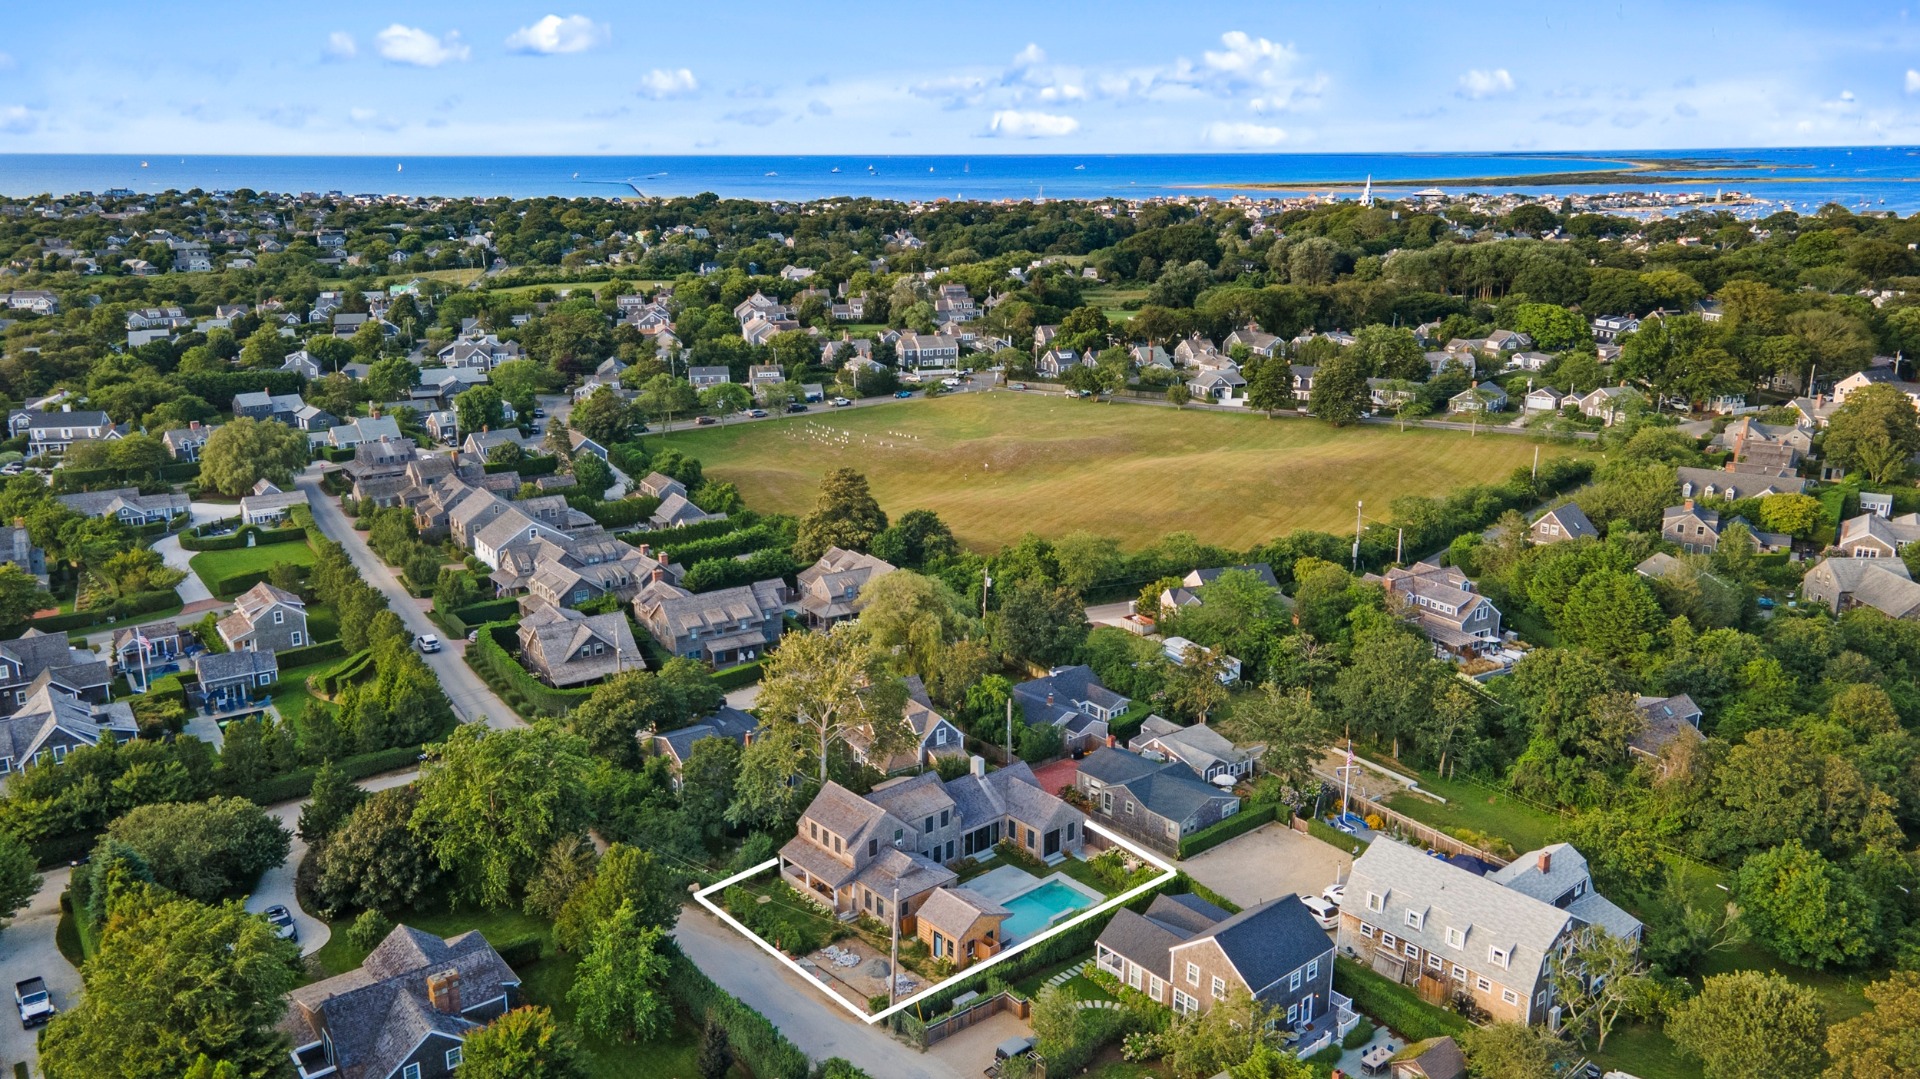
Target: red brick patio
1059	774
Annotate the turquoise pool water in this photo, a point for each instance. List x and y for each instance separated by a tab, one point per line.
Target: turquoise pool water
1033	911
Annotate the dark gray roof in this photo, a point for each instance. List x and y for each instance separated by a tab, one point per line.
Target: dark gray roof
1167	789
1187	912
1270	941
214	668
1067	686
377	1015
729	722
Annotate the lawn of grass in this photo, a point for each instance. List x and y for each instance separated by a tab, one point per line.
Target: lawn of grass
997	465
1479	808
291	696
212	566
1113	301
1646	1052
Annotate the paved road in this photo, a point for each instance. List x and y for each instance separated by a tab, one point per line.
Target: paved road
819	1027
27	950
276	885
470	696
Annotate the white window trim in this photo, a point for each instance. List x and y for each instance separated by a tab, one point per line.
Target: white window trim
1193	974
1456	938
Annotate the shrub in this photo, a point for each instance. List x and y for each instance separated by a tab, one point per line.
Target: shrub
1213	835
1393	1005
1356	1037
756	1042
369	929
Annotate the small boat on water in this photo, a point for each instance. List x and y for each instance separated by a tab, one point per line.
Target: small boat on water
773	174
399	167
143	164
836	168
1079	168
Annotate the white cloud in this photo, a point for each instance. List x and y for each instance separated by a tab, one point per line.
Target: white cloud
763	116
17	120
1029	56
661	83
1913	81
554	34
1481	83
1243	134
341	46
412	45
1247	56
1018	124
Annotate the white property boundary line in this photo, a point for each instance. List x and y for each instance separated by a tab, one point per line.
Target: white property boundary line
1167	874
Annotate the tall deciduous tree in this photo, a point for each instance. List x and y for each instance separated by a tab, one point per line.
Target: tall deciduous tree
913	618
603	417
493	802
244	452
618	991
1874	432
204	850
375	861
1339	390
1740	1019
829	686
1882	1042
173	981
845	515
1292	728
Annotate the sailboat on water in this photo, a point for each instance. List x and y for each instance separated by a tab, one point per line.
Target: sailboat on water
1366	193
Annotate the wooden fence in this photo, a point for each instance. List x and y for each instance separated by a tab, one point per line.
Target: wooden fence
978	1012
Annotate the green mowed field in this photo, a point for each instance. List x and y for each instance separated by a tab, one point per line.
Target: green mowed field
214	565
997	465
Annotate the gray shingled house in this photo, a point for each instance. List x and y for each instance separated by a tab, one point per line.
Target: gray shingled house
563	647
265	619
1158	803
1187	953
404	1013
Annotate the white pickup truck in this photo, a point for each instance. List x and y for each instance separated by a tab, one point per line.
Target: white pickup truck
35	1003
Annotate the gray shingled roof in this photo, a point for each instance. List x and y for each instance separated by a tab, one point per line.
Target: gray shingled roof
729	722
954	910
1268	942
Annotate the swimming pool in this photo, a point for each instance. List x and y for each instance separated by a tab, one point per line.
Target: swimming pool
1032	911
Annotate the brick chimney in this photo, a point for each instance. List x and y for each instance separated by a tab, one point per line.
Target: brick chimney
659	574
1545	862
1049	699
443	990
977	765
1688	505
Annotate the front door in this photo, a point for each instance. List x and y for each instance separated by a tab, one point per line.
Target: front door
1050	845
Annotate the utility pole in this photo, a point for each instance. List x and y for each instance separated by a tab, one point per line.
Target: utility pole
1357	526
893	966
1400	546
1009	730
1536	462
986	585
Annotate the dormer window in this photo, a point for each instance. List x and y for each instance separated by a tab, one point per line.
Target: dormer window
1499	956
1456	938
1415	919
1376	902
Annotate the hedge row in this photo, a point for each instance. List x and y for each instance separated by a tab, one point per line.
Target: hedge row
744	675
493	610
489	656
337	678
1394	1006
233	584
669	537
619	513
137	604
1213	835
88	479
313	653
262	537
519	951
756	1042
528	467
740	542
299	784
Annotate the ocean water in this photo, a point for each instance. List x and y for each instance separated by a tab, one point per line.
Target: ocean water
1880	178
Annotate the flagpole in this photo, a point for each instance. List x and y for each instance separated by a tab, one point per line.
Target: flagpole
1346	777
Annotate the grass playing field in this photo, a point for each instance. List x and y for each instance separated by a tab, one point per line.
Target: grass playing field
997	465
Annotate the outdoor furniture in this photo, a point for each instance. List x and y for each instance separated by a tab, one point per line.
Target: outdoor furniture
1374	1060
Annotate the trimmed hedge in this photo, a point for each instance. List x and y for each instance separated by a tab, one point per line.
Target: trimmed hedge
313	653
489	656
262	537
1213	835
299	784
137	604
744	675
528	467
668	537
232	585
336	679
493	610
756	1042
1394	1006
738	542
619	513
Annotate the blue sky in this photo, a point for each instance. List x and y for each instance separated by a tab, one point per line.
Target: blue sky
486	77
